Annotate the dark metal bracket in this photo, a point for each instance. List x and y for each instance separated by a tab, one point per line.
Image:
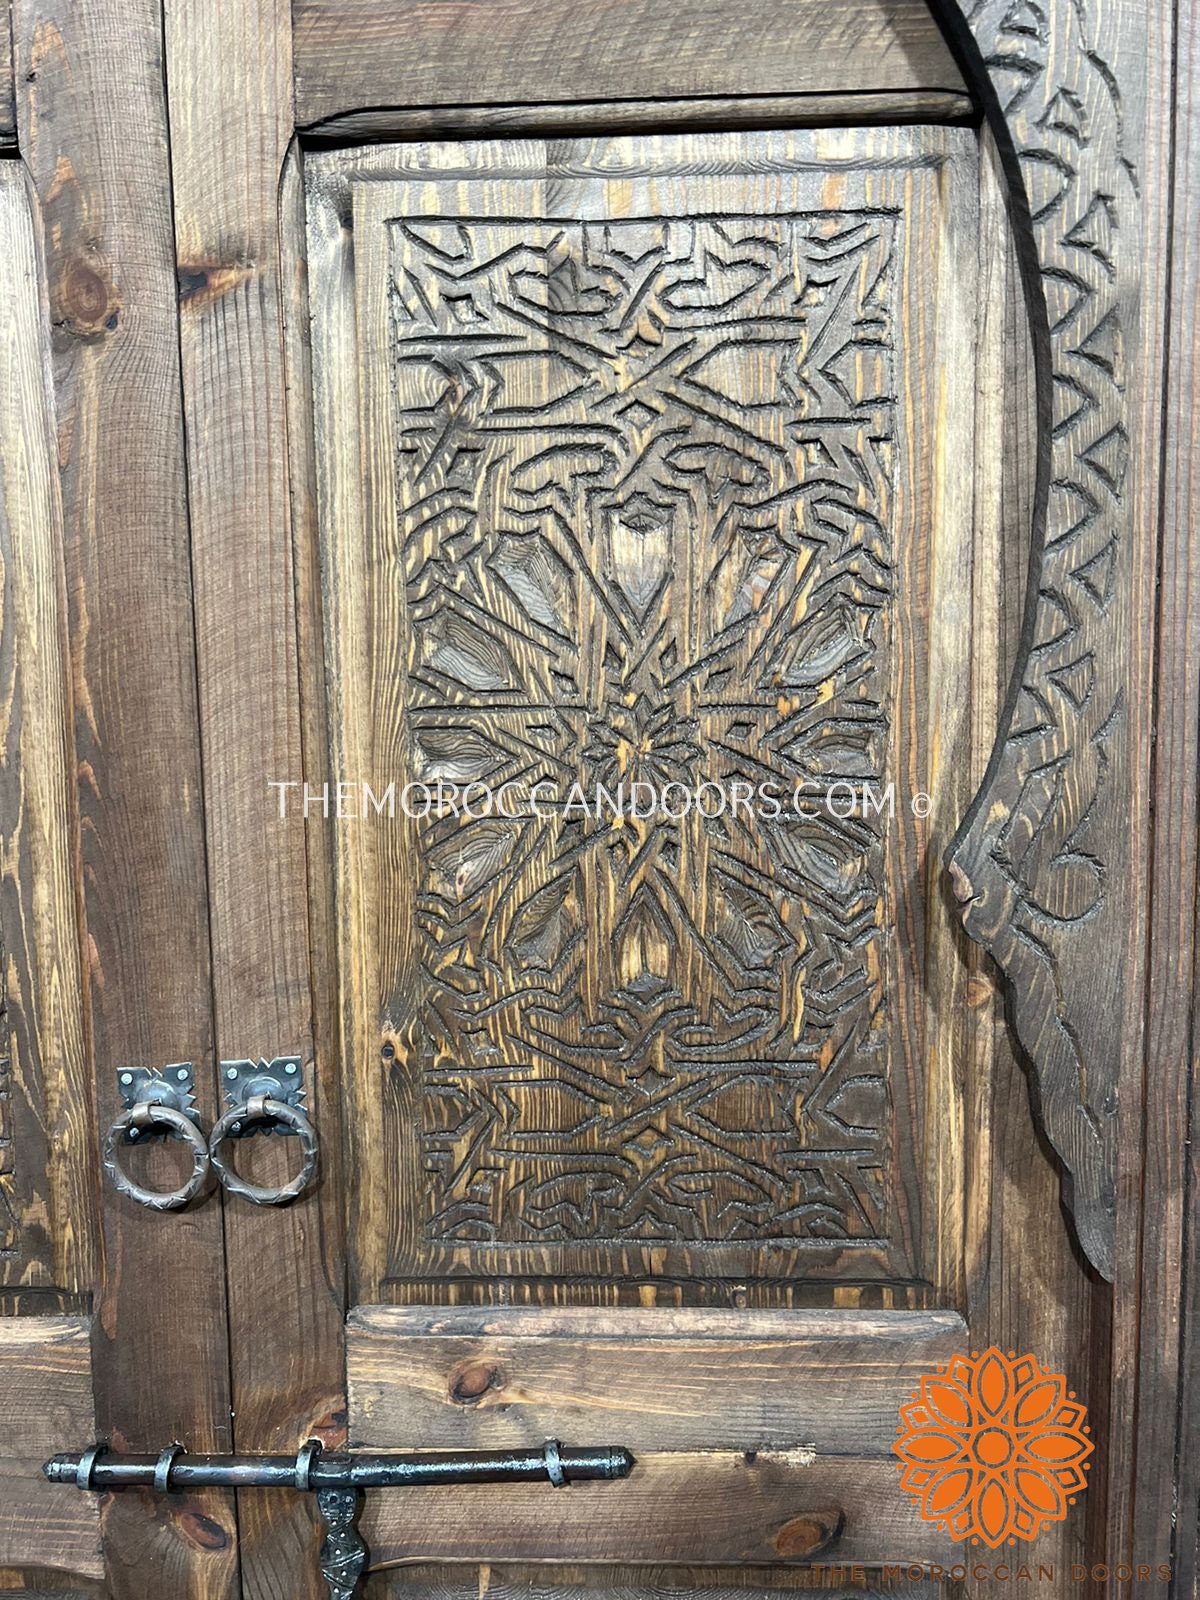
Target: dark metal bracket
281	1080
338	1481
172	1086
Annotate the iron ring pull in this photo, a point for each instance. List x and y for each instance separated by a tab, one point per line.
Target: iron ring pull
265	1109
145	1116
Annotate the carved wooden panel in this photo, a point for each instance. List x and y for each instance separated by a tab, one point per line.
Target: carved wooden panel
648	446
625	562
1044	861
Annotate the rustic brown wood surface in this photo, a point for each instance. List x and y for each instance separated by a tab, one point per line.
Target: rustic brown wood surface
229	73
1163	1314
47	1194
684	1508
1036	1290
644	116
507	1582
1054	848
498	635
93	131
352	54
656	1380
45	1406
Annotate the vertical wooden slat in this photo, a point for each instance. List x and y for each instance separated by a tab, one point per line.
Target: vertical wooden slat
1133	1522
8	94
93	128
1025	1285
1164	1520
47	1200
230	94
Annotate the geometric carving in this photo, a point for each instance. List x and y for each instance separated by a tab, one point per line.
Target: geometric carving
645	483
1041	862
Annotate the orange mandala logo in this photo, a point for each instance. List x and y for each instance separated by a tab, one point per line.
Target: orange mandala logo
993	1447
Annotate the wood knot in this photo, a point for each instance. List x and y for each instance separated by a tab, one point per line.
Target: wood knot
806	1534
470	1381
201	1532
87	305
202	283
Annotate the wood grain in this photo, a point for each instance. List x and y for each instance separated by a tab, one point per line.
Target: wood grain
650	1380
642	116
229	72
8	96
1163	1304
1047	861
352	54
93	131
676	1508
47	1193
1025	1283
385	916
422	1582
46	1406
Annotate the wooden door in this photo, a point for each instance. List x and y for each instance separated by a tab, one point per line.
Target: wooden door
609	579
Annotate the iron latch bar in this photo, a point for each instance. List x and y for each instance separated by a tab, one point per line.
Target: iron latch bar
338	1481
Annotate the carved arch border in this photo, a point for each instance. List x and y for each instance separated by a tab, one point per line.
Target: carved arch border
1042	862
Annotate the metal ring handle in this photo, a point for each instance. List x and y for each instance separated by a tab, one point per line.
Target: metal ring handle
261	1108
151	1114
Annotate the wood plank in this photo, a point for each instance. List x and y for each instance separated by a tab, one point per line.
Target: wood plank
352	54
8	96
675	1509
93	131
46	1406
230	77
643	116
425	1582
1025	1285
1166	1302
659	1380
47	1177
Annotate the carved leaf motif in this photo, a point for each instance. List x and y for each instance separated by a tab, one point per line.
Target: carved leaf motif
544	925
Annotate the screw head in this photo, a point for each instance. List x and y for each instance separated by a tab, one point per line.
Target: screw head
291	1066
231	1073
127	1077
182	1074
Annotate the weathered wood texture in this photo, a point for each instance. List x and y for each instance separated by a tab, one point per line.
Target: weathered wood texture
1024	1279
1163	1312
1051	857
8	96
93	130
751	1429
652	1380
644	116
506	1582
47	1196
523	621
352	54
230	80
45	1406
686	1508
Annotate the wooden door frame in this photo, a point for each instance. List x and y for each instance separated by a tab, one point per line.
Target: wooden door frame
198	121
